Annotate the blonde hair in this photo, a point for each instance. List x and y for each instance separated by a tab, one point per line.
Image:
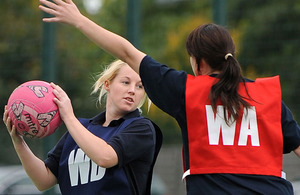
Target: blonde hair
109	73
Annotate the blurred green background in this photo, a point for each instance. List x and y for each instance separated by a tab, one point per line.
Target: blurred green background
266	34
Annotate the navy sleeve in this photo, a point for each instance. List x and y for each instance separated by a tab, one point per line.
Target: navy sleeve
290	130
135	142
164	86
52	162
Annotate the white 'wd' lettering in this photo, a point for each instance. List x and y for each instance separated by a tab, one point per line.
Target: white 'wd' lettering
216	124
79	164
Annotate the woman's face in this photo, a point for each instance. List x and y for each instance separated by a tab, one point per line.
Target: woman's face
124	92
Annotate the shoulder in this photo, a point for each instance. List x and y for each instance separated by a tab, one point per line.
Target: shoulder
142	120
145	121
165	86
144	125
148	63
155	129
139	123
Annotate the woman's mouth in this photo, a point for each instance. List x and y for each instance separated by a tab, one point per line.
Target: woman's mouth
128	99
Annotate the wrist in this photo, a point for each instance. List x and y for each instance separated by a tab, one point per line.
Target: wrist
82	20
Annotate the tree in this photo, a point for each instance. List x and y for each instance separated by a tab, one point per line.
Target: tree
270	43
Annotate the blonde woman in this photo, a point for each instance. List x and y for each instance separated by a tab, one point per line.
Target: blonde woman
111	153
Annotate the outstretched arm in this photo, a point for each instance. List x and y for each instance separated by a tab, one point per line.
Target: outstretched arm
68	13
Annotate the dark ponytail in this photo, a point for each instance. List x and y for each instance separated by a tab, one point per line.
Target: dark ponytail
226	89
214	44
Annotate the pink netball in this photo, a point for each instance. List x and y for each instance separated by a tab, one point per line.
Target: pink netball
32	110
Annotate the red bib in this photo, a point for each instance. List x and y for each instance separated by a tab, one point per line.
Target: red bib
251	145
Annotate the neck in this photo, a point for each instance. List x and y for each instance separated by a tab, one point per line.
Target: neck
110	115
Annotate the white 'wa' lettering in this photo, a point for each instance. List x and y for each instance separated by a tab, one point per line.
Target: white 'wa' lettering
216	125
80	166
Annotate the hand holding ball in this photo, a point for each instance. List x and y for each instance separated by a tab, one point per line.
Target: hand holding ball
32	110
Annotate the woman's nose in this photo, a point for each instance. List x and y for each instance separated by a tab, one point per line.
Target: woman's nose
131	89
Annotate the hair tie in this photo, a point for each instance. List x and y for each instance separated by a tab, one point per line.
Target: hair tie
227	55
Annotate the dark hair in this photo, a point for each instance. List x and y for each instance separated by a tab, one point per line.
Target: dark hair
212	42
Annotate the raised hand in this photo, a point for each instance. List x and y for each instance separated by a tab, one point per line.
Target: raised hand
62	11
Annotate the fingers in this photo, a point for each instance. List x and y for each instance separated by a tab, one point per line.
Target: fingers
53	85
69	1
48	6
60	2
10	127
51	8
56	89
59	93
54	4
62	11
14	131
6	119
55	92
8	124
5	114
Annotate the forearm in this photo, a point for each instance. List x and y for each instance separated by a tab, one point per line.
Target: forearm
35	168
111	42
94	147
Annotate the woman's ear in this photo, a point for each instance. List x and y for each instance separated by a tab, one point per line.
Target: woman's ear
194	66
106	85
